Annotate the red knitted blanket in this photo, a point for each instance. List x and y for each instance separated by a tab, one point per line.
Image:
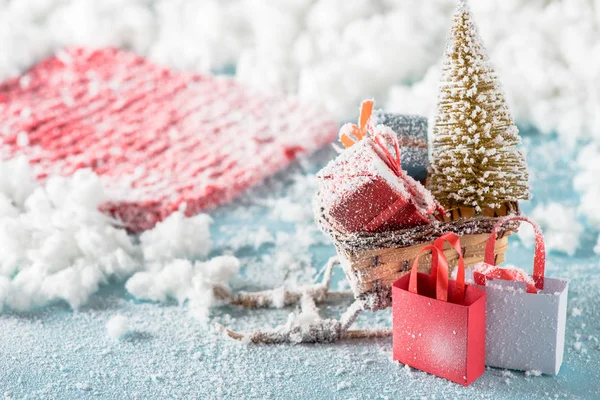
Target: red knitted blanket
156	137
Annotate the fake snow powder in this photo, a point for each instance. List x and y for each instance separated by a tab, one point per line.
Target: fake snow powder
534	372
83	386
117	326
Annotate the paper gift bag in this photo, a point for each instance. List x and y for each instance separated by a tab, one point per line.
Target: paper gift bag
526	316
439	325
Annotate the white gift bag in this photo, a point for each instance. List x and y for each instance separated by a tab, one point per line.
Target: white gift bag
526	316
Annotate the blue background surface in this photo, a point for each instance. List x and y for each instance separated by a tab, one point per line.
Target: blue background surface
55	352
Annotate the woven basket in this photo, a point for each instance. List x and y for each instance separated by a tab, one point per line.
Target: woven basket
372	262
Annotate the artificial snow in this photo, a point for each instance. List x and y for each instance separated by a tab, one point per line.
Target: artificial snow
261	237
533	373
528	41
177	237
338	52
167	340
56	245
182	280
560	226
302	46
83	386
597	246
117	326
586	182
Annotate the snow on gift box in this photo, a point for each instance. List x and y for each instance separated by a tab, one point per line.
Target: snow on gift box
366	189
525	317
439	325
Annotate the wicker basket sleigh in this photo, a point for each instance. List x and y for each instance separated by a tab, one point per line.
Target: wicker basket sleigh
372	262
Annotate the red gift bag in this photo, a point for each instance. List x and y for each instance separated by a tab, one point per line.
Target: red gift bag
439	324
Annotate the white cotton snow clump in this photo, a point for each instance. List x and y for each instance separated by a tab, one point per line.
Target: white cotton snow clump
56	245
533	372
182	280
54	242
562	231
336	51
117	326
586	182
177	237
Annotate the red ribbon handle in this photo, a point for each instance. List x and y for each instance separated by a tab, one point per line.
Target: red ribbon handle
439	268
487	271
437	259
539	258
454	241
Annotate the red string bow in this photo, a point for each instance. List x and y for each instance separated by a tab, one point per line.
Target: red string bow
392	160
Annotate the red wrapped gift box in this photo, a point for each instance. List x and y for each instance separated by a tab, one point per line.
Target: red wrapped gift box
362	191
439	325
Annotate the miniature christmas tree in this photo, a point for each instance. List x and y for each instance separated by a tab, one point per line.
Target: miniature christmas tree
475	163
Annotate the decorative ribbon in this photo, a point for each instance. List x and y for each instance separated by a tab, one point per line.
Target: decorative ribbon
485	272
539	258
439	269
358	131
350	134
454	241
393	161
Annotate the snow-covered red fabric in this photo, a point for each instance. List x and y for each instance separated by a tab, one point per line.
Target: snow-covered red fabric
158	138
363	190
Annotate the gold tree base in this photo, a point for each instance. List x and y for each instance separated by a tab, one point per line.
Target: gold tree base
507	208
